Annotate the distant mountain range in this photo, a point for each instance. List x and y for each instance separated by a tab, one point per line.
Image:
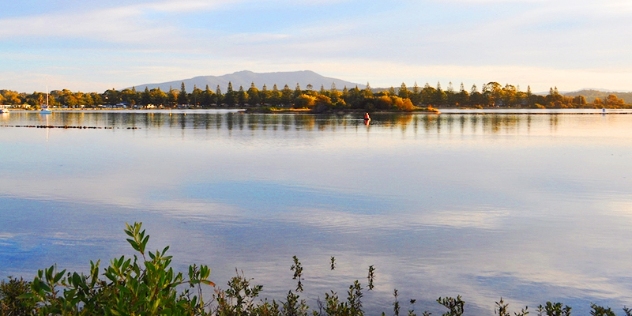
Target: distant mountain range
591	94
246	78
307	77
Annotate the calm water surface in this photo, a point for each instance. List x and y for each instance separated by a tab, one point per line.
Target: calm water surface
530	207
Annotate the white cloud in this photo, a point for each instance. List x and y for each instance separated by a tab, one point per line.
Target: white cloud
131	23
186	5
569	44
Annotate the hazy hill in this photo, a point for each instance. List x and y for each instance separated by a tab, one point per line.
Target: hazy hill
591	94
245	78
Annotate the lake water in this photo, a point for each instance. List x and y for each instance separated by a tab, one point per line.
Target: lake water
530	206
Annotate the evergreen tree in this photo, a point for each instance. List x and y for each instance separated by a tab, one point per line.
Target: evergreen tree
172	96
182	96
264	95
145	97
196	97
451	96
253	95
207	97
219	97
403	91
242	96
415	95
286	96
230	98
333	90
297	91
368	92
275	96
440	96
428	95
463	96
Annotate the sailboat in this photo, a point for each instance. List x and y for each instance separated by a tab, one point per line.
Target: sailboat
45	109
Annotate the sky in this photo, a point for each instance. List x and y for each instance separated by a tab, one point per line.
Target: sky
92	46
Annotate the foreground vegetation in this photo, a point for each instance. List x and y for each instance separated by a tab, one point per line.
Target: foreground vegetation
403	98
147	285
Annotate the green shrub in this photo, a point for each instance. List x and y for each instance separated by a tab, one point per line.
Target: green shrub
137	286
11	302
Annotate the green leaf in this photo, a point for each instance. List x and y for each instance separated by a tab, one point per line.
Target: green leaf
58	276
76	279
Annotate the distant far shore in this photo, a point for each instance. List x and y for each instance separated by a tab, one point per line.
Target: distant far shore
418	99
416	110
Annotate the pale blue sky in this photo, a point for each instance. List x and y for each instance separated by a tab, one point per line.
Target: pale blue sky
96	45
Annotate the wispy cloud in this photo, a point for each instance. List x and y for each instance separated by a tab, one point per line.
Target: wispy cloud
130	23
464	39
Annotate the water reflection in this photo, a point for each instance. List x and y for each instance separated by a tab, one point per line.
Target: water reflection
463	123
531	207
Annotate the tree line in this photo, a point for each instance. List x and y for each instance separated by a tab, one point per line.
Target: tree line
491	94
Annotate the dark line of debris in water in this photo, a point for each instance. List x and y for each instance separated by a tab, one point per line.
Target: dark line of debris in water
68	126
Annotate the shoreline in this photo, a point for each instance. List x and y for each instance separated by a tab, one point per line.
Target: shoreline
437	111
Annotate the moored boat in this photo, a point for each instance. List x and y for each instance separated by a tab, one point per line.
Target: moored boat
45	109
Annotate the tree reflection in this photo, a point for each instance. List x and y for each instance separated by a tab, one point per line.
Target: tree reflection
462	123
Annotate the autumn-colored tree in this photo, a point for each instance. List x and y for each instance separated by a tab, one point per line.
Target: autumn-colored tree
242	96
158	97
129	96
613	101
402	104
492	94
10	97
336	98
383	102
509	95
579	100
367	92
275	96
264	95
172	97
67	98
322	102
304	101
253	95
207	97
